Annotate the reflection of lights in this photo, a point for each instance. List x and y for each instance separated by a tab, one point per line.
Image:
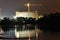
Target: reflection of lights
28	39
17	34
28	35
37	33
1	31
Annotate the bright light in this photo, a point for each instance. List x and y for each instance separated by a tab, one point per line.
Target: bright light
17	34
28	4
14	17
40	16
1	18
25	14
1	31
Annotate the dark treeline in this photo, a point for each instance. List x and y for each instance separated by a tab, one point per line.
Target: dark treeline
19	22
49	22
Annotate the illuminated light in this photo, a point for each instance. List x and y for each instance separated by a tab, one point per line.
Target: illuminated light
36	35
1	18
17	11
28	35
14	17
40	16
1	31
29	39
28	4
25	14
36	15
17	34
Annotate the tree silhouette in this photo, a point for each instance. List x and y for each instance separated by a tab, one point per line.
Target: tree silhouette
5	24
50	22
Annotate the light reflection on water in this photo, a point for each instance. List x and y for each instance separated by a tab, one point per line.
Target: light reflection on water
17	33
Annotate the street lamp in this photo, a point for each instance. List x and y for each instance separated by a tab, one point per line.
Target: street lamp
28	5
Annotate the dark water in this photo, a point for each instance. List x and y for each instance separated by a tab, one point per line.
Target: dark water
34	38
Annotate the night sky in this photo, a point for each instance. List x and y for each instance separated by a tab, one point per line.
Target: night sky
8	7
